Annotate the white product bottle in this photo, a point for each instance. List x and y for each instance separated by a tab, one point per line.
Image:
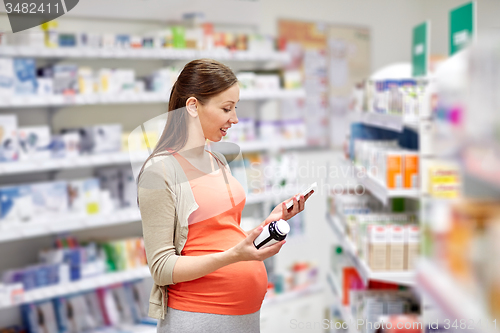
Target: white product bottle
272	233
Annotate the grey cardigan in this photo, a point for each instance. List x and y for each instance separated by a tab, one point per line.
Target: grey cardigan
165	202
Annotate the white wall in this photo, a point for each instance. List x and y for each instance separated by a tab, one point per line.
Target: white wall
390	21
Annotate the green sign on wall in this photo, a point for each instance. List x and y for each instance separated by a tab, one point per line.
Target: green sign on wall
462	26
420	49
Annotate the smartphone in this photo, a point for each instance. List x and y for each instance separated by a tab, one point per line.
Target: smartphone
306	192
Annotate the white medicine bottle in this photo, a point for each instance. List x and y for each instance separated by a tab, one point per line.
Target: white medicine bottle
272	233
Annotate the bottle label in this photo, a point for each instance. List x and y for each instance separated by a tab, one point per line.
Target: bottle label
263	239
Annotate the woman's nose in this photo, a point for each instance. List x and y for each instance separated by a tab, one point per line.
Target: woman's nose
234	119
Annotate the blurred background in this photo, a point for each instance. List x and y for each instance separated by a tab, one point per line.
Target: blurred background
391	106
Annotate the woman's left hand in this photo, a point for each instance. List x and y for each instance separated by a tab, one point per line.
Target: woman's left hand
281	212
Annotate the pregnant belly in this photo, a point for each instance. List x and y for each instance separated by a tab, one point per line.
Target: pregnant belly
236	289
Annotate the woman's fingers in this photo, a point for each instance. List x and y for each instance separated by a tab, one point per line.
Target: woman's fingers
256	232
272	250
296	205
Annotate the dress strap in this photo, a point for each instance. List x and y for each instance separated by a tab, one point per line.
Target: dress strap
223	167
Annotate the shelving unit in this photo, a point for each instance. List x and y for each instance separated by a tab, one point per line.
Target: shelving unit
294	294
97	160
344	310
28	101
82	285
402	278
83	161
445	290
380	191
377	188
11	231
389	121
22	232
474	152
19	230
147	54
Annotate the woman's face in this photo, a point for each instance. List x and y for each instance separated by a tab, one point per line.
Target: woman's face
219	114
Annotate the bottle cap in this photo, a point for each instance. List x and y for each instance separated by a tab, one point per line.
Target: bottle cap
282	227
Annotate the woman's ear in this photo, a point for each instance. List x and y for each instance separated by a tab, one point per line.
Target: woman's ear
191	107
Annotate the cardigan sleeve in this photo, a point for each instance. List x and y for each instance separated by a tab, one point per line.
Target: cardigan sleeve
157	207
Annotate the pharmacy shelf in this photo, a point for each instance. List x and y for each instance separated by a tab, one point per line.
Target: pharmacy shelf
96	160
482	163
400	278
83	285
293	294
333	283
450	296
10	231
29	101
252	94
390	121
261	145
345	312
147	54
83	161
380	191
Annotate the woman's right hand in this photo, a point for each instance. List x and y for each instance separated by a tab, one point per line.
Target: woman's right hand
246	251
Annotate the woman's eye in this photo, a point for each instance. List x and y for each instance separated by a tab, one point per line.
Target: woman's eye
227	110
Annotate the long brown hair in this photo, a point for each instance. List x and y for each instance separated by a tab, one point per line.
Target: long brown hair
202	79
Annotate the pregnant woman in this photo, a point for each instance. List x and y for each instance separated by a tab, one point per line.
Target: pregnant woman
208	276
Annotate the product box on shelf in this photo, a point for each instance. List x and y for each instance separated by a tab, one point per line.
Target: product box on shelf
71	144
26	38
377	247
65	145
124	254
293	129
25	76
107	138
412	239
39	317
292	79
7	78
246	80
393	169
9	145
86	138
16	204
444	180
109	309
67	40
108	40
128	193
11	294
45	86
50	199
396	248
34	143
267	82
84	196
411	163
109	179
86	84
65	79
